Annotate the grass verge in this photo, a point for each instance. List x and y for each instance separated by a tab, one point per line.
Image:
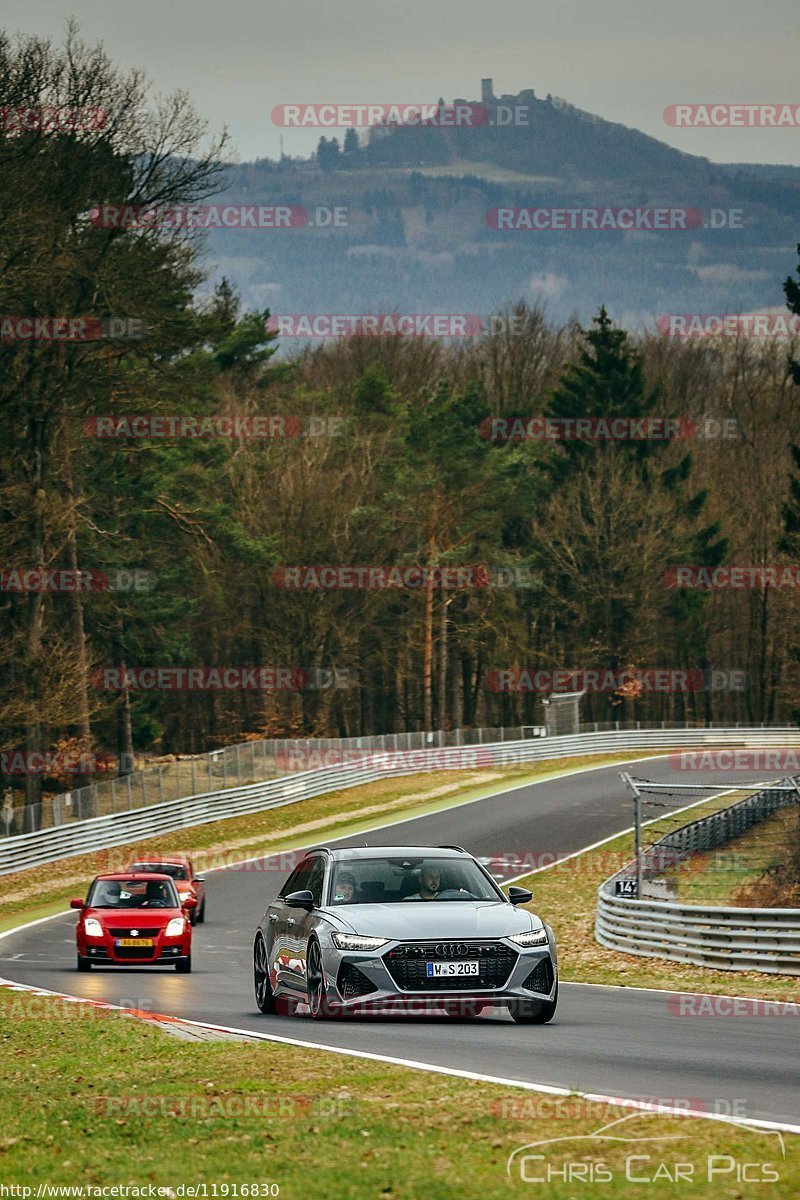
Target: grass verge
565	895
760	869
107	1101
41	891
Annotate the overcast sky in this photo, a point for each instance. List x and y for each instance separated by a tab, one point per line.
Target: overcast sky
625	60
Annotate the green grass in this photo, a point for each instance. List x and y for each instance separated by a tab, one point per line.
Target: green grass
105	1100
44	890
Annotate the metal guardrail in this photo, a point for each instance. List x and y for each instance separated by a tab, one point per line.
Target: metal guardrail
183	775
116	829
725	938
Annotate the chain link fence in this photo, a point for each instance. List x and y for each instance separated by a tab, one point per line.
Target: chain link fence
180	776
254	761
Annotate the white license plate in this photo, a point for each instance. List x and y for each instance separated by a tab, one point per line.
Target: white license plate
437	969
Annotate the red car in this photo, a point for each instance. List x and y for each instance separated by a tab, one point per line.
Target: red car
181	869
131	919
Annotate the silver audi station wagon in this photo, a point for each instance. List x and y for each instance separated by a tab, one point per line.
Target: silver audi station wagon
406	929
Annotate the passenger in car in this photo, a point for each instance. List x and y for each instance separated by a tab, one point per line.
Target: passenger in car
345	888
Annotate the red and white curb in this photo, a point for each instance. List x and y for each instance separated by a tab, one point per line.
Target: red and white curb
60	1004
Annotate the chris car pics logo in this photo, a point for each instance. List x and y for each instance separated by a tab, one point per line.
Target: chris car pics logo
616	1153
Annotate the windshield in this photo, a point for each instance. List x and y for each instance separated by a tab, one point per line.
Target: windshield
409	880
133	893
175	870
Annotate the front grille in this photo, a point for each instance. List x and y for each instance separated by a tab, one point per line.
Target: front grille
353	983
141	933
134	951
541	978
406	965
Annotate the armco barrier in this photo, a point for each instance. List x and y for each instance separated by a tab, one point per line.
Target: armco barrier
728	939
178	776
99	833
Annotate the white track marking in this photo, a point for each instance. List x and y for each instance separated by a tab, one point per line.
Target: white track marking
451	1071
414	1064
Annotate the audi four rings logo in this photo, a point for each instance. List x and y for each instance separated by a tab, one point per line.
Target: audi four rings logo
451	949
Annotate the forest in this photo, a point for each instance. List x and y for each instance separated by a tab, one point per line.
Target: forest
204	540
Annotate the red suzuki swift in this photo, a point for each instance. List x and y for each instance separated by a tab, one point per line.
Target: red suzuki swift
131	919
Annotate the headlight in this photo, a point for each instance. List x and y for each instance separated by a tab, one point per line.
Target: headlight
92	928
537	937
175	927
351	941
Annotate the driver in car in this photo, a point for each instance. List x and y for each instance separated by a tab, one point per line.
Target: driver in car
157	895
430	881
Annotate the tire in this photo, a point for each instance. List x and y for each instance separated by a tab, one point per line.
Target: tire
315	981
534	1012
201	913
83	964
184	965
265	998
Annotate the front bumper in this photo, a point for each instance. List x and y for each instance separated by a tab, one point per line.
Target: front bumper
104	950
395	979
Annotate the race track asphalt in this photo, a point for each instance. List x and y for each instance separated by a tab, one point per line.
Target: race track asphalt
616	1041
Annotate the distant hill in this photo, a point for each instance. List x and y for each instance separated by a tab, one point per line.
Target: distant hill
417	237
551	138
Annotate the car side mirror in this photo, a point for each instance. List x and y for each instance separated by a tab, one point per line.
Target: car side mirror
189	902
518	895
302	899
76	904
199	879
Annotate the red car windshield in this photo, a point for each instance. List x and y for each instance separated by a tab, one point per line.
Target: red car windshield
154	868
133	893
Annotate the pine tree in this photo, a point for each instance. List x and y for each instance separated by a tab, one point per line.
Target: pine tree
608	382
792	290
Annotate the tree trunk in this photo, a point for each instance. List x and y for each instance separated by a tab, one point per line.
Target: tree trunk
124	723
33	641
83	726
443	714
427	657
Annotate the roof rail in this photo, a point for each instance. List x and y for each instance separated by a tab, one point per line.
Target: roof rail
460	848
